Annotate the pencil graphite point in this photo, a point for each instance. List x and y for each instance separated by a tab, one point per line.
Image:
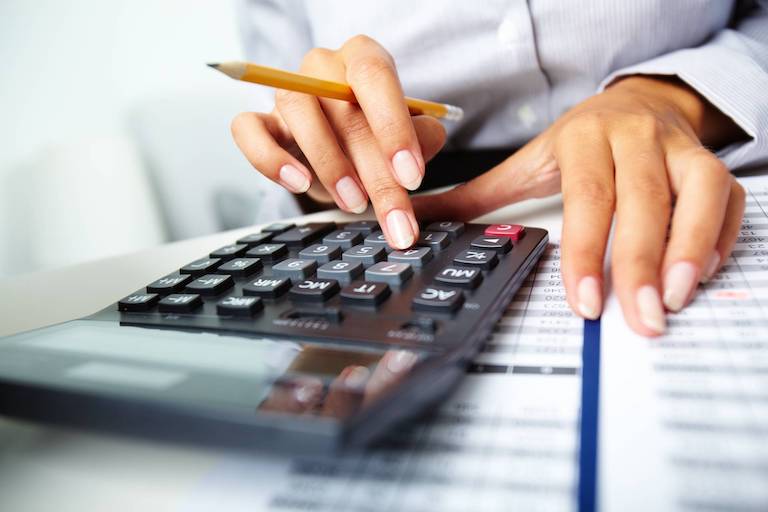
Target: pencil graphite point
214	65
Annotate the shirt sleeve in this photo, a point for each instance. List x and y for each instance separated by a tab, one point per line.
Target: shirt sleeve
731	71
274	33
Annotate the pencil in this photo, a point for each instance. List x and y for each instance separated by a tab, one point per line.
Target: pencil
281	79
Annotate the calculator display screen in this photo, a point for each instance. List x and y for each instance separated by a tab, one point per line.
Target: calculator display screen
231	373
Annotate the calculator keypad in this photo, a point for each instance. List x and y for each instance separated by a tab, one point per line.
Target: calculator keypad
343	283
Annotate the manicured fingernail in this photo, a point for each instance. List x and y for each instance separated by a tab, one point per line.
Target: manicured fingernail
712	265
650	308
357	377
407	169
293	179
350	193
678	284
590	297
400	361
400	229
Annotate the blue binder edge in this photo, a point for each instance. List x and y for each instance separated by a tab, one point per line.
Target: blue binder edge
588	435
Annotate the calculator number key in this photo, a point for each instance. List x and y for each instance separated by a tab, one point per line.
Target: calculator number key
344	271
321	253
477	258
365	254
436	298
387	272
417	256
346	239
377	239
295	268
460	276
435	239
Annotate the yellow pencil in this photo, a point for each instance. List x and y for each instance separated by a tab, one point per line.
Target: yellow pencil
280	79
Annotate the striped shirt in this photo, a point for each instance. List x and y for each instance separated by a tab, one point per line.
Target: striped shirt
514	66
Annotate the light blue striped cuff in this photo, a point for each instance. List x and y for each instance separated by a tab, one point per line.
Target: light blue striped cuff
723	72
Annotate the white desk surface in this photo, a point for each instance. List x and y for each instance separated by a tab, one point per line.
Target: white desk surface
43	468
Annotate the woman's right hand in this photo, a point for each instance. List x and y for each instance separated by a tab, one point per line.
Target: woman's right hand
343	152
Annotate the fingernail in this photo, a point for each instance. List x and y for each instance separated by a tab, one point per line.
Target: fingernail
712	264
678	284
350	193
589	297
400	229
293	179
400	361
407	169
357	377
650	308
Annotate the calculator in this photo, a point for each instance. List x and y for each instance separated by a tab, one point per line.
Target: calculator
316	336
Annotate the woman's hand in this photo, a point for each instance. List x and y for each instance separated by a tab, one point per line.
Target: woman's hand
636	150
345	153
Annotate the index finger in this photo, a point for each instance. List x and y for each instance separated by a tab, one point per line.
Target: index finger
370	71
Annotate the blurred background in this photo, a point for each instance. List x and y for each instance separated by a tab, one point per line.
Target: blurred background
114	135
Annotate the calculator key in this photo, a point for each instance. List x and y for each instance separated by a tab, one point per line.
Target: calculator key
482	258
435	298
454	229
460	276
513	231
417	256
377	239
278	227
255	239
169	284
229	251
269	253
365	254
346	239
388	272
365	293
295	268
200	267
435	239
302	236
241	267
342	271
239	306
500	244
269	287
138	302
314	290
365	226
321	253
211	284
180	303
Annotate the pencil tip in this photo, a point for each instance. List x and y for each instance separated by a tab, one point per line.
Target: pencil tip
214	65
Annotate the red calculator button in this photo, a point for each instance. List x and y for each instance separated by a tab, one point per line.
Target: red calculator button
513	231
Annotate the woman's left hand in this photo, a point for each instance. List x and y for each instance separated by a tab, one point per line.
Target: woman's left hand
637	149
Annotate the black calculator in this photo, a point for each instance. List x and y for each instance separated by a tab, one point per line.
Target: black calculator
311	336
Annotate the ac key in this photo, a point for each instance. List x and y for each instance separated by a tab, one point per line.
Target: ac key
436	298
